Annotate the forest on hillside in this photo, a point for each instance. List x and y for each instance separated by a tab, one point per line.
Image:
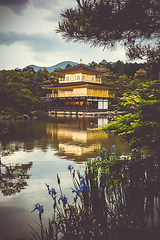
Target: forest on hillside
21	90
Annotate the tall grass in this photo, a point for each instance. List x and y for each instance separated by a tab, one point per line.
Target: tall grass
116	199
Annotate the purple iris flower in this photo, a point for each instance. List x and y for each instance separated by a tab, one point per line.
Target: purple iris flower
86	187
39	208
81	187
113	147
77	191
70	167
104	150
82	180
64	200
52	192
134	150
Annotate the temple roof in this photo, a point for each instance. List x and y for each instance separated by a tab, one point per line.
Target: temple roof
80	68
78	84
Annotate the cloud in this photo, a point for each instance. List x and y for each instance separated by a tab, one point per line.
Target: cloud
41	4
55	17
27	36
38	42
17	6
49	49
55	7
52	4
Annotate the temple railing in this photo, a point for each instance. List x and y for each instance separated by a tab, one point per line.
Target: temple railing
52	95
55	95
97	80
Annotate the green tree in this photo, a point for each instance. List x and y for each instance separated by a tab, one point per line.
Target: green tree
68	65
131	68
140	74
103	62
123	82
15	97
54	77
92	64
141	125
133	24
118	67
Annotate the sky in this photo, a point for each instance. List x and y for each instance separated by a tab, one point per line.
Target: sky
27	36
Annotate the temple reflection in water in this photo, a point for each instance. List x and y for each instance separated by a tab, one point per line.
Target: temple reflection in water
75	142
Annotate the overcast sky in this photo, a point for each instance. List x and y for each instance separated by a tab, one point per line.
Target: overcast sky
27	36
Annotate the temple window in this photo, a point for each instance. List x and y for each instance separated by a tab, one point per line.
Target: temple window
83	77
78	77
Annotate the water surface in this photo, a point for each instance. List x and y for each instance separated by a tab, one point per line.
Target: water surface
33	154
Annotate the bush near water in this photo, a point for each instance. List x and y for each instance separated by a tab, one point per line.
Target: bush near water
116	198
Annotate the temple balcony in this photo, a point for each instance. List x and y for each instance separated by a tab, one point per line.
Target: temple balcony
51	95
88	93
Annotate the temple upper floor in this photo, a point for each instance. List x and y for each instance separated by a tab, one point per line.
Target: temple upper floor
78	73
78	77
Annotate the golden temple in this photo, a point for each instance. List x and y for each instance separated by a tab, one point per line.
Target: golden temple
79	90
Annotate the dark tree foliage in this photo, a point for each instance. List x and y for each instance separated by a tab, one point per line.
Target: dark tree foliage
93	64
133	24
68	65
120	67
21	91
28	68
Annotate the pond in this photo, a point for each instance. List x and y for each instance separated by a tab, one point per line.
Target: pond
33	154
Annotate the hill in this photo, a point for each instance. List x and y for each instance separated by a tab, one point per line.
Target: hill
50	69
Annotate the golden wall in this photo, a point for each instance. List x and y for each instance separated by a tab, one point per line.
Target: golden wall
78	92
97	93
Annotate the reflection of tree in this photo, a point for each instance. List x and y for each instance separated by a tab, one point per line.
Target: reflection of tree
14	177
25	135
9	149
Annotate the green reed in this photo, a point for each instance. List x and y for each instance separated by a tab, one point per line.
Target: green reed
116	199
